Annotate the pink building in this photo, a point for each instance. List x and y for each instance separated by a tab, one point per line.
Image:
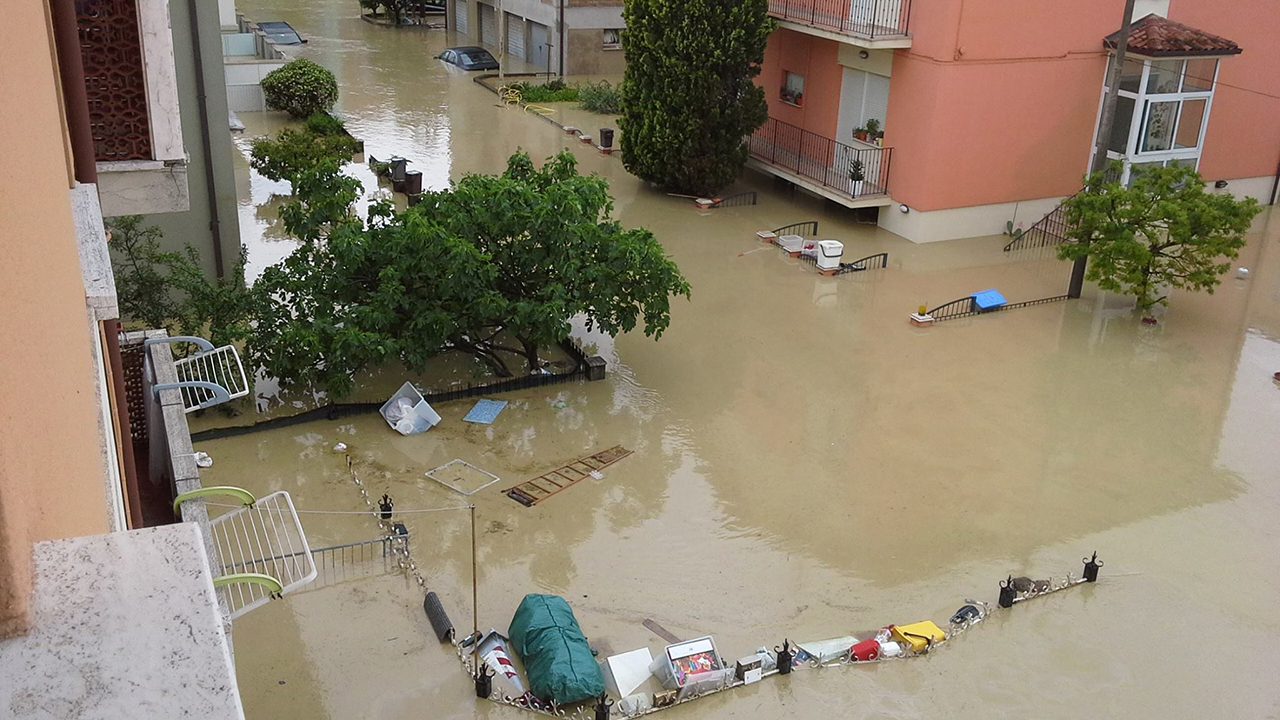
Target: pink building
956	116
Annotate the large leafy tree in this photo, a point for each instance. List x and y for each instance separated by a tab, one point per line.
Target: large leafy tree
688	100
495	266
1164	230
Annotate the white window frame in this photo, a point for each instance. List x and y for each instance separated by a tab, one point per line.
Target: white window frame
1141	100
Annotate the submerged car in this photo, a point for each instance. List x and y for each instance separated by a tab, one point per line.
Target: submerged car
469	58
281	33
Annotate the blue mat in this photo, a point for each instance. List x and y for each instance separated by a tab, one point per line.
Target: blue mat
485	411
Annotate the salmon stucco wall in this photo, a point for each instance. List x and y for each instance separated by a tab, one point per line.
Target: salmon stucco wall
52	482
817	59
1243	137
995	101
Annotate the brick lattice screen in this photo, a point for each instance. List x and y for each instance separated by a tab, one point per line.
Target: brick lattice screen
114	79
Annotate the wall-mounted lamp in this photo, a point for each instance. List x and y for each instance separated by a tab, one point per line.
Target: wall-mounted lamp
1220	184
904	209
864	54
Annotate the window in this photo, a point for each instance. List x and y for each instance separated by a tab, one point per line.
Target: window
1199	77
1130	74
1120	130
612	39
792	88
1189	121
1165	76
1158	126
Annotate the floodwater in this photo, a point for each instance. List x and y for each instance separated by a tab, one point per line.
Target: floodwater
806	464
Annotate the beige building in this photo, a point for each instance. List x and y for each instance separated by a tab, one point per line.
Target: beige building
566	37
94	604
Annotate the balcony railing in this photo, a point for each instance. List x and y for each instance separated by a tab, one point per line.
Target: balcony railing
871	19
115	79
850	171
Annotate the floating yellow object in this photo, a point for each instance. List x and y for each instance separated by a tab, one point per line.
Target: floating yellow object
919	635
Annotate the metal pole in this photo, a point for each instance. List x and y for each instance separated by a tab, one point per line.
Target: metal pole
1100	160
502	40
475	603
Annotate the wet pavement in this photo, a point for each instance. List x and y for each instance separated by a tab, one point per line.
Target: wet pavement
807	464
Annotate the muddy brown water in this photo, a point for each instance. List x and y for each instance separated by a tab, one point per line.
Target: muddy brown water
806	464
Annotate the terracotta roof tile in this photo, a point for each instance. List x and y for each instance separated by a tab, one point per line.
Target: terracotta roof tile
1155	36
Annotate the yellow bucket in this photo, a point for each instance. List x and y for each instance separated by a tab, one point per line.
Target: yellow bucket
918	635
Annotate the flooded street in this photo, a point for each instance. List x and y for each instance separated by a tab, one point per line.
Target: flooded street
806	463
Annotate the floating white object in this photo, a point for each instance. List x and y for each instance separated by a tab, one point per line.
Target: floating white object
824	651
1242	272
203	460
340	447
408	413
463	477
627	671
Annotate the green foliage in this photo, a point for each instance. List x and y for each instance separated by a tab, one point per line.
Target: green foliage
170	290
291	152
1163	230
688	99
601	97
322	123
300	88
554	91
493	259
857	171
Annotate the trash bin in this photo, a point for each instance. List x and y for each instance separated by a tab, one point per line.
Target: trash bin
606	137
413	182
398	169
830	253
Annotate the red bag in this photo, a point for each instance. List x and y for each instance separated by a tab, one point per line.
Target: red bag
865	650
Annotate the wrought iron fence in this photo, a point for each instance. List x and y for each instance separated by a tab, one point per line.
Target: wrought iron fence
808	228
865	18
879	261
856	172
736	200
967	306
114	79
1052	229
341	563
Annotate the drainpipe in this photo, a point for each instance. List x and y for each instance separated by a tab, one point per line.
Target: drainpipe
215	228
561	38
1275	186
66	33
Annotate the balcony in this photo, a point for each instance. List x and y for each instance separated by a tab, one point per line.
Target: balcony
851	176
130	81
865	23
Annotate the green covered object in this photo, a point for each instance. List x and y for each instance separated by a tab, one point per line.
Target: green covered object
555	653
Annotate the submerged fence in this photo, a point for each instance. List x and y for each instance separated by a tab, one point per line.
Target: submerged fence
855	172
967	307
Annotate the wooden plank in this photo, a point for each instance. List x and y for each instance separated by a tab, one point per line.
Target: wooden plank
527	492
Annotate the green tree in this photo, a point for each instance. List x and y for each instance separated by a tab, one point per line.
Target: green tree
300	88
170	290
291	152
494	266
688	100
1164	230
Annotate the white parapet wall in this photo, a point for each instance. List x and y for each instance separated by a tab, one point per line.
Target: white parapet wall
955	223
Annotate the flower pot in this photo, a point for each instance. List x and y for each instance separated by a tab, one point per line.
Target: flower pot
856	186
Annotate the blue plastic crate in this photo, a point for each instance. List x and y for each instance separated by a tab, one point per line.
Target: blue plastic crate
988	299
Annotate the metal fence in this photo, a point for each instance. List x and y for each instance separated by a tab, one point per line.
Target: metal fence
1052	229
808	228
865	18
737	200
348	561
966	307
856	172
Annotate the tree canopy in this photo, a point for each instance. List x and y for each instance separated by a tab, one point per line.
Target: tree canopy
688	97
495	266
1164	230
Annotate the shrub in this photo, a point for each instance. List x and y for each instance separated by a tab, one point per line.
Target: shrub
325	124
292	152
300	88
601	97
554	91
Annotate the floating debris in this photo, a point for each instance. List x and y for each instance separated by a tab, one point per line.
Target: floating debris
463	477
485	412
532	492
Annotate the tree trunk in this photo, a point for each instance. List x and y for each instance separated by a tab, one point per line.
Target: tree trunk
530	353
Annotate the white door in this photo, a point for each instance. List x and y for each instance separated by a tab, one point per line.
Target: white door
538	45
460	17
488	26
515	36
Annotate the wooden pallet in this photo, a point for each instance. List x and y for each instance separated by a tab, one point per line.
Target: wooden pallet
532	492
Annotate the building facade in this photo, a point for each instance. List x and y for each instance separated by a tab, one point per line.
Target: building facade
94	605
565	37
984	112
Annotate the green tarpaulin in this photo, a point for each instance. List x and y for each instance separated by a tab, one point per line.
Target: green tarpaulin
555	653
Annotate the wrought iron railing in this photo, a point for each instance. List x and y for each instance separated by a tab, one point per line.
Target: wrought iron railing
879	261
736	200
114	79
1052	229
967	306
871	19
855	172
808	228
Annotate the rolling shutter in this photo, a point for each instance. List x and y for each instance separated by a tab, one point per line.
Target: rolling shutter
515	36
460	17
875	105
488	26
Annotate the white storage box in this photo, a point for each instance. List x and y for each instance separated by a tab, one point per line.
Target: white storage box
408	413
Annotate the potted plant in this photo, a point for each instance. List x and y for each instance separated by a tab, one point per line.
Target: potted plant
860	133
856	176
873	131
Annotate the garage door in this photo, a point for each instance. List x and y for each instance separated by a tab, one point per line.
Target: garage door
460	17
515	36
488	26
